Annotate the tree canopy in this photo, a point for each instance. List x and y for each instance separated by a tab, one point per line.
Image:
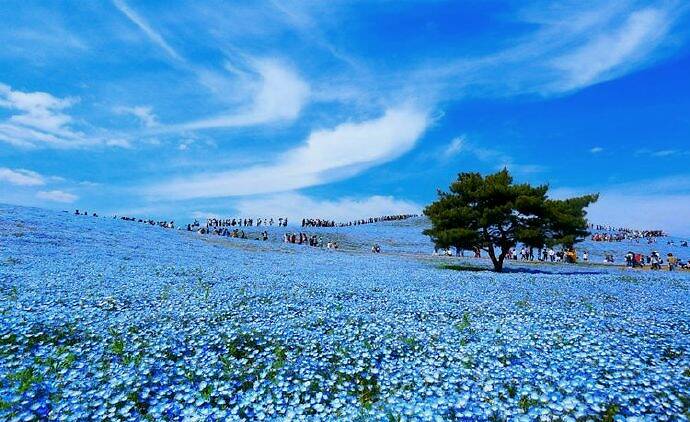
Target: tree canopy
494	214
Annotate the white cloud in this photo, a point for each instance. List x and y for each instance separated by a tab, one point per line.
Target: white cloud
278	95
295	206
659	203
327	155
57	196
643	211
498	159
143	113
276	92
146	28
118	142
524	169
607	54
574	45
664	153
40	120
21	177
202	215
454	147
596	150
661	153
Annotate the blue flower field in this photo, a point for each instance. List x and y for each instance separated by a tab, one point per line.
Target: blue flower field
113	320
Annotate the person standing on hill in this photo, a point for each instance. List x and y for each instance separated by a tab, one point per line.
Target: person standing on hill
672	261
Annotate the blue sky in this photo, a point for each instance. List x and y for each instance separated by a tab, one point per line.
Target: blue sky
342	109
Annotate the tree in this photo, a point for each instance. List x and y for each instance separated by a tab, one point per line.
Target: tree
493	214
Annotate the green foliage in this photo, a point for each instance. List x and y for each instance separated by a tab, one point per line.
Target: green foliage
462	267
610	413
118	346
492	213
368	391
26	378
206	392
411	342
465	323
526	402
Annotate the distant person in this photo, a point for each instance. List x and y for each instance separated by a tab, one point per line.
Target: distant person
672	261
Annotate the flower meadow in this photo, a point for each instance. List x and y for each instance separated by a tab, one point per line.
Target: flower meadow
107	319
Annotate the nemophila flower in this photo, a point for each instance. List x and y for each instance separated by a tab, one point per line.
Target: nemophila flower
133	322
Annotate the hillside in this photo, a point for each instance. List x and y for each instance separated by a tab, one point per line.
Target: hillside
107	319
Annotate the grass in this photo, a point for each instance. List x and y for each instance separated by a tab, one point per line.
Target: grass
465	323
118	346
411	342
670	354
27	377
12	261
369	390
462	267
526	403
522	304
610	413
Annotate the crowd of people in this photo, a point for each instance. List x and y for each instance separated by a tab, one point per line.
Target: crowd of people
568	255
317	222
233	227
654	261
612	234
246	222
324	222
164	224
301	239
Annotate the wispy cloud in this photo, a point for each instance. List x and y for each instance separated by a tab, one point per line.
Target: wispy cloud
144	114
56	196
661	153
609	53
664	152
491	156
21	177
327	155
153	35
645	204
596	150
574	45
39	119
455	146
278	95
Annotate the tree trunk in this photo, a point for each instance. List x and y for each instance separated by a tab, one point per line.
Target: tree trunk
497	261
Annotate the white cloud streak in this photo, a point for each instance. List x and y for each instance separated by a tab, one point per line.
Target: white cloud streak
462	145
279	95
455	146
611	53
56	196
21	177
575	45
327	155
153	35
39	119
144	114
659	203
